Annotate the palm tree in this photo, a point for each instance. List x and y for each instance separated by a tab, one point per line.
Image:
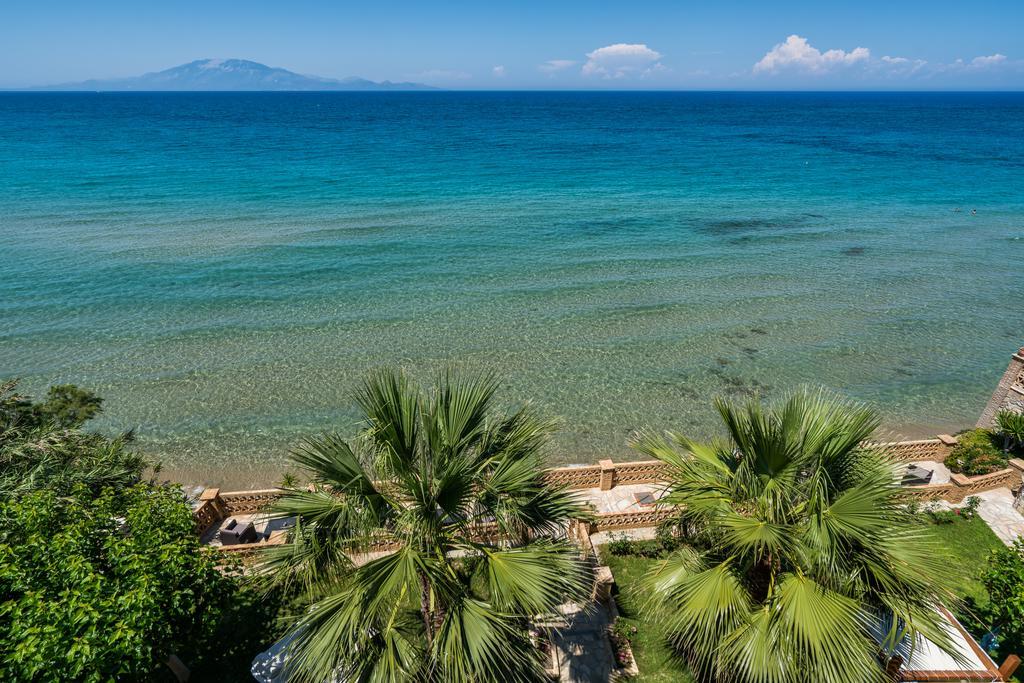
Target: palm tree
798	546
423	547
1011	425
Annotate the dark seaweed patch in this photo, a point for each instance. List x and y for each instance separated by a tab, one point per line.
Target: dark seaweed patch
738	386
733	225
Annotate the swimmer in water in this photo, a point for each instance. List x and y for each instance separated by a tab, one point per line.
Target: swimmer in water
974	212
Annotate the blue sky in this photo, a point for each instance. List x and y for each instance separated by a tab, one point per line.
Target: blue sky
870	44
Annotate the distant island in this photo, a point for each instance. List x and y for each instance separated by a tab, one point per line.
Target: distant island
227	75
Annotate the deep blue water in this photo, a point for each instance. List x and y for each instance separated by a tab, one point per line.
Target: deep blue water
224	267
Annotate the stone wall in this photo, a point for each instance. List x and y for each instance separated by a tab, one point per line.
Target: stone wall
607	474
960	487
638	519
215	506
1009	393
242	502
915	451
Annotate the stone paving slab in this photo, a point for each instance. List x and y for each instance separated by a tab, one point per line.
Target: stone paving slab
998	512
940	473
582	645
622	498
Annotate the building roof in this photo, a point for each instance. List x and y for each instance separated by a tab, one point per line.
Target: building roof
926	662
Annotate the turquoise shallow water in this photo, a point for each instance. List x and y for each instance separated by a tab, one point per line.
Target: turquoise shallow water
224	267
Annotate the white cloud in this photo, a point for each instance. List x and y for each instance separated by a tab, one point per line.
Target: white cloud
554	65
796	55
799	55
986	62
498	71
899	66
621	60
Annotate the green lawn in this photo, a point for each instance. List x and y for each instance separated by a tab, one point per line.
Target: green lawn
965	543
653	657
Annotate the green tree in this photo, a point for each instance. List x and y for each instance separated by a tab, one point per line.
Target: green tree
102	589
43	446
423	547
1004	580
66	406
797	540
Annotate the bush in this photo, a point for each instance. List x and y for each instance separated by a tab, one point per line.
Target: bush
667	536
66	406
1010	426
106	588
620	545
1004	581
970	508
42	445
977	452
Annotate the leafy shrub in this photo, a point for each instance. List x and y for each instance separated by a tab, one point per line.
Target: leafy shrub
970	508
667	536
624	546
1004	580
977	452
620	545
944	516
1010	426
66	406
42	445
106	588
621	634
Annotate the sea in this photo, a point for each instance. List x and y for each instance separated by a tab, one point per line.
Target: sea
225	268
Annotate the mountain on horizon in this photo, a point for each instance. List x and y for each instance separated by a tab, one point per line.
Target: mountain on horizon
228	75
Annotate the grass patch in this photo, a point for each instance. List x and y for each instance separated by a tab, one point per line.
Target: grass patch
653	657
965	547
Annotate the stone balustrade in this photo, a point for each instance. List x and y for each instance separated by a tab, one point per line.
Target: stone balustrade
215	505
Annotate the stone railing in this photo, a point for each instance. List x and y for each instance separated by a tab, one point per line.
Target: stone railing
960	486
637	519
607	475
207	511
215	506
587	477
241	502
913	451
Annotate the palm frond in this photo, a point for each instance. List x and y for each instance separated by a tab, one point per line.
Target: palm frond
479	643
535	579
391	405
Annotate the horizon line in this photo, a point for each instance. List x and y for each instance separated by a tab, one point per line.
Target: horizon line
46	90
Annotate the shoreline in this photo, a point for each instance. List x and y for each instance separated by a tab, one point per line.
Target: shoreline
247	475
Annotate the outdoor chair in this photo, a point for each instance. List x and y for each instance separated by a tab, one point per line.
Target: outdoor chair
233	533
916	476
